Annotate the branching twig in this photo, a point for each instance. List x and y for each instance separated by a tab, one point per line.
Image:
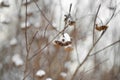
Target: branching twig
105	47
66	26
90	51
44	15
106	24
26	62
77	69
82	62
94	67
40	50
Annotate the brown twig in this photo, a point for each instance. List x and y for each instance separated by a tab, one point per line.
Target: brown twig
66	26
94	67
40	50
77	69
75	42
26	62
106	24
44	15
105	47
95	23
46	29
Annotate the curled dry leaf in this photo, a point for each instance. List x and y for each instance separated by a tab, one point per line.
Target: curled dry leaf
101	28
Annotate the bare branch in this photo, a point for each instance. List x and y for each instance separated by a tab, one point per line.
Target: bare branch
26	62
105	47
44	16
95	23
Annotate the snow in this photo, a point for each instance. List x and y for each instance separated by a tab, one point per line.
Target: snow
40	73
4	18
16	59
63	74
23	25
66	37
13	41
49	79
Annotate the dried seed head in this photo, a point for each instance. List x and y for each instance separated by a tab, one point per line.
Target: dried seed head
64	40
71	23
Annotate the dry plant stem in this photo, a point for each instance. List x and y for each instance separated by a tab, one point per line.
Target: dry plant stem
30	44
75	42
94	67
91	49
66	26
105	48
67	17
40	50
85	57
26	75
46	29
26	62
95	23
106	24
97	65
111	17
44	15
33	38
83	61
70	8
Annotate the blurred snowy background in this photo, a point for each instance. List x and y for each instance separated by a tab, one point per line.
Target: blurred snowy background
56	62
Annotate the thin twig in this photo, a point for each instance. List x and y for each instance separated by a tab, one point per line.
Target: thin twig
44	15
82	62
106	24
26	75
77	69
26	62
33	38
97	65
46	29
75	42
111	17
40	50
94	67
95	23
70	8
105	47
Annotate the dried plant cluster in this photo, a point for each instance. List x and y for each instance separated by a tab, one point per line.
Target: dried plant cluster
44	51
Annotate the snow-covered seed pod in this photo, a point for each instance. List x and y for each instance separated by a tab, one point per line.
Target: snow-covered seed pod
64	40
